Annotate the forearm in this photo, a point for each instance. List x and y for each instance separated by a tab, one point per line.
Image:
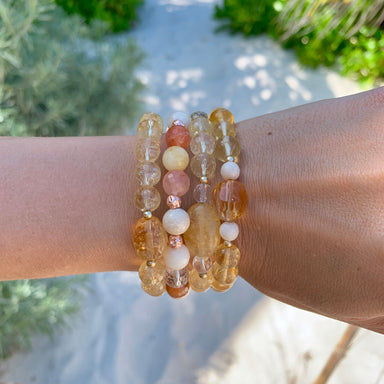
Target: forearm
66	206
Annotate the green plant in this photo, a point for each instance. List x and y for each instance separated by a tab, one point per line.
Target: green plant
120	14
56	80
29	307
346	34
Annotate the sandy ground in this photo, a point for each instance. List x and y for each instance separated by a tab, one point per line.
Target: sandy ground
126	337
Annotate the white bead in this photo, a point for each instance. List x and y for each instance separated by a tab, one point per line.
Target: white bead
230	171
178	116
229	231
176	221
176	258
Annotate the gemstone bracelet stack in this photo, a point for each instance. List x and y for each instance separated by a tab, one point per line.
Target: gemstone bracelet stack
196	245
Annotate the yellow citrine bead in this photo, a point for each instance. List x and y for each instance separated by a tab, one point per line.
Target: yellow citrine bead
227	257
150	238
222	122
230	199
175	158
224	275
154	289
202	236
147	199
152	274
147	150
218	287
154	117
198	283
219	115
149	129
227	147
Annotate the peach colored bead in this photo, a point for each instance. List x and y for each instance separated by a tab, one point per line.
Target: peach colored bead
178	293
178	135
176	183
175	158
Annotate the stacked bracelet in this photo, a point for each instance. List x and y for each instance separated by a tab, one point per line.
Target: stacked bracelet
203	235
229	197
149	236
176	220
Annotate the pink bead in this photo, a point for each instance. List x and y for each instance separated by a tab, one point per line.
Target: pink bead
176	183
173	202
178	135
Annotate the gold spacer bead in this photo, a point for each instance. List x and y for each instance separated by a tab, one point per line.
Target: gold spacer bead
147	214
228	244
203	275
204	179
151	263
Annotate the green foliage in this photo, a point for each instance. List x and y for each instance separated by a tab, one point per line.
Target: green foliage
29	307
348	35
120	14
56	79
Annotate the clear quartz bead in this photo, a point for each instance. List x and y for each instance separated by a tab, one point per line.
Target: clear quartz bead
151	116
154	289
176	278
147	199
147	174
151	275
202	193
202	143
199	124
150	129
202	264
147	150
203	165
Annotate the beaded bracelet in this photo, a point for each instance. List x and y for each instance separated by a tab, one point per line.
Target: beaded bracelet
176	220
229	197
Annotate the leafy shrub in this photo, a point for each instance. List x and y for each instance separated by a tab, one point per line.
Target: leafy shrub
120	14
349	35
29	307
55	80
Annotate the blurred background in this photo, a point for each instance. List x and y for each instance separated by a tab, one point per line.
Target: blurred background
77	68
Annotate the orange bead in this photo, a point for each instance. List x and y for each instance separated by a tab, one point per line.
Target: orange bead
178	293
219	115
230	198
178	135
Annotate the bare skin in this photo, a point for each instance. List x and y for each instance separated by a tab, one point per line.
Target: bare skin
313	234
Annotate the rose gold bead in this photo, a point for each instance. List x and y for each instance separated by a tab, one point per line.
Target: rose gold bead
178	122
175	241
173	201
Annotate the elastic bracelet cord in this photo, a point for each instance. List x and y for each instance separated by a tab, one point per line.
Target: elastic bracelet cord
176	220
149	236
229	197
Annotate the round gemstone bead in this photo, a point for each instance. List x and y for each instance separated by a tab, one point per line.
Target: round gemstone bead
152	275
219	115
230	171
218	287
154	289
176	183
149	238
197	114
199	124
227	257
181	116
203	165
178	135
176	221
147	199
202	143
178	293
230	199
202	264
147	150
150	129
198	283
173	202
224	275
151	116
175	158
227	146
148	174
175	241
176	258
202	236
202	193
176	278
229	231
223	129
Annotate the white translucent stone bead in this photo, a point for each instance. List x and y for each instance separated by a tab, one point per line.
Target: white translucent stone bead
178	116
230	171
229	231
175	158
176	221
176	258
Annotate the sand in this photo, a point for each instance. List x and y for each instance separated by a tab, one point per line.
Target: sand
124	336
